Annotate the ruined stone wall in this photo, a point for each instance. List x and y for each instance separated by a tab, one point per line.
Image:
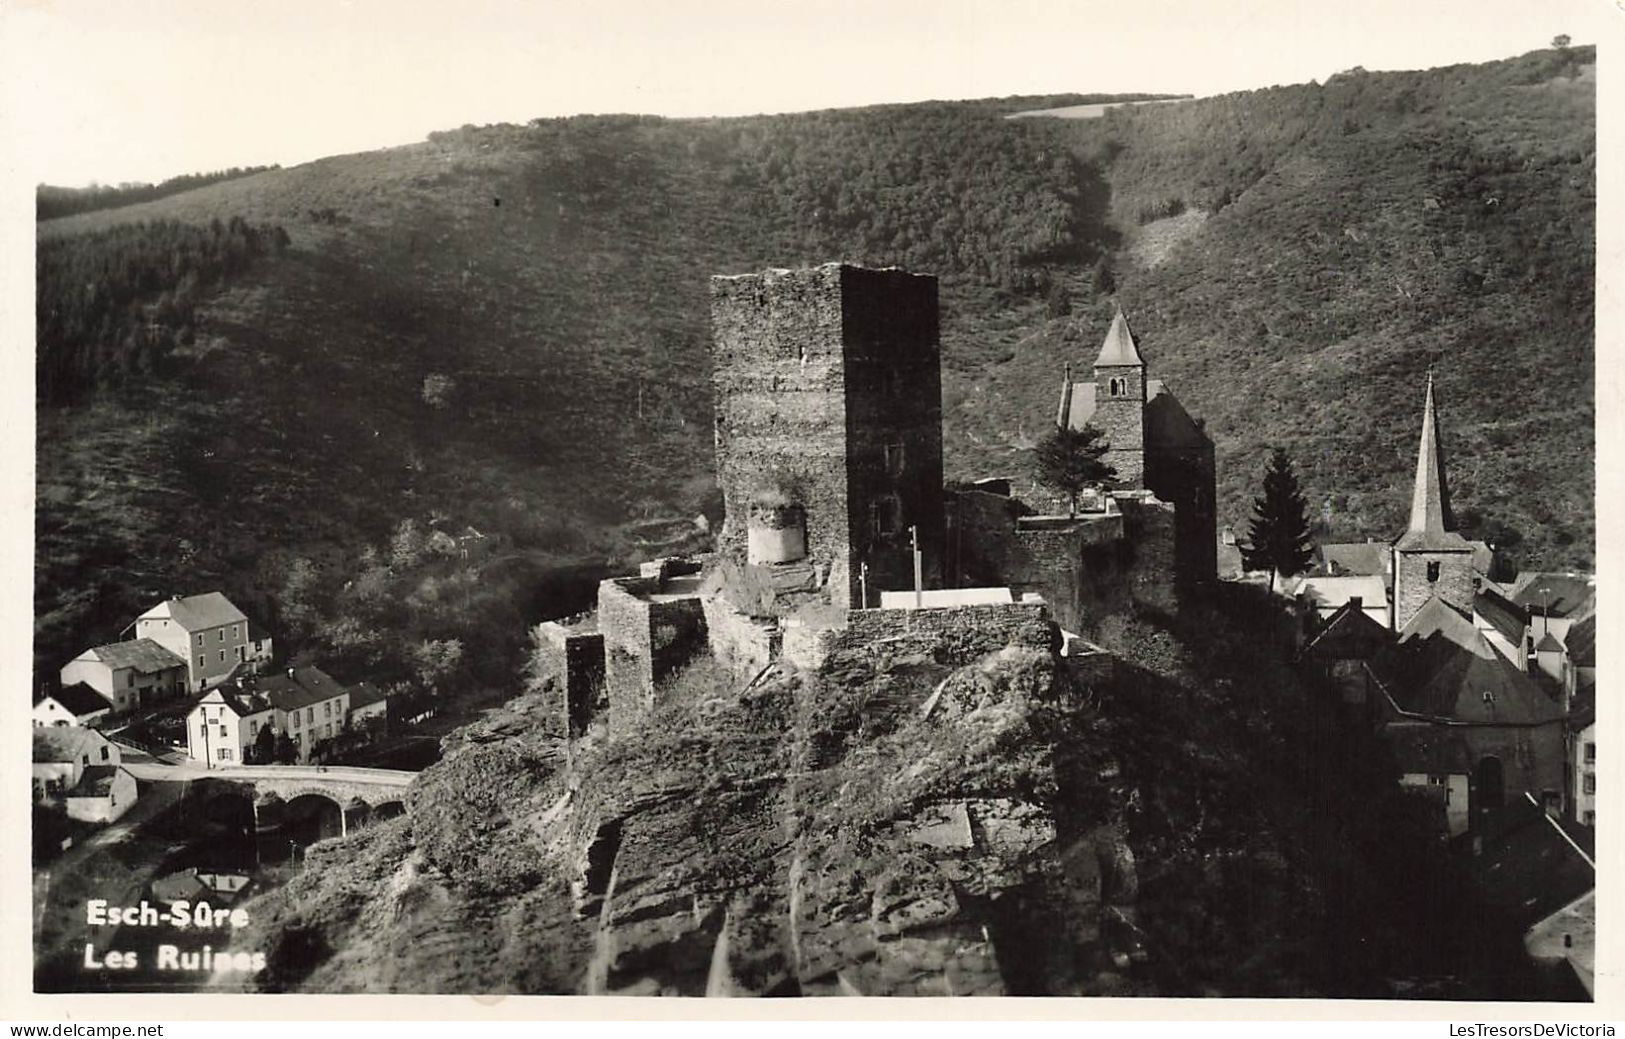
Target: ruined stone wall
1187	480
952	635
1412	588
828	397
644	641
778	378
1150	527
574	658
740	644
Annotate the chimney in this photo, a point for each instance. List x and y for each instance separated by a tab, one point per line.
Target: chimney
1356	602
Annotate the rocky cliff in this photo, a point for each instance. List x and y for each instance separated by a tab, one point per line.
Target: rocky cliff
964	818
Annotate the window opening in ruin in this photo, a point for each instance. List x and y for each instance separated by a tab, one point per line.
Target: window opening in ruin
894	459
888	515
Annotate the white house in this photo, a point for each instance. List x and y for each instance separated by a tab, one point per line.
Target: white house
368	703
225	724
77	704
103	793
130	674
206	631
61	755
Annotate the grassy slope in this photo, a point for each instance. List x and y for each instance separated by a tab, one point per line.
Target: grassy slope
557	273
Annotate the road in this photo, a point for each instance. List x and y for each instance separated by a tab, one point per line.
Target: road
154	771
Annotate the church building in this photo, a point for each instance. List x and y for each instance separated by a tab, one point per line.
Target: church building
1431	558
1155	445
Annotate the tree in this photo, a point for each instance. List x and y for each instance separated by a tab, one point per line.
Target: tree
1280	530
1068	460
263	752
287	751
1560	41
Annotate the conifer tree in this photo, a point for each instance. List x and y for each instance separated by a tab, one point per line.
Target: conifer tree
1280	528
1069	460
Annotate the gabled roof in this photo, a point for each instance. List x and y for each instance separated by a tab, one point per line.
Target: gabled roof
1502	614
1354	558
1118	349
1559	594
80	700
197	612
1328	592
1348	633
241	702
61	744
364	694
144	655
96	781
298	687
1444	668
1548	644
1527	869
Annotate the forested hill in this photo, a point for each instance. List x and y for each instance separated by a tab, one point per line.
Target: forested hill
506	326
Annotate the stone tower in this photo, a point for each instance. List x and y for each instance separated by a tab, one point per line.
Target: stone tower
1430	557
1120	395
828	397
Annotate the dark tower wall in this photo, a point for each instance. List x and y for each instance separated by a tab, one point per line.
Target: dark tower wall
1186	478
817	373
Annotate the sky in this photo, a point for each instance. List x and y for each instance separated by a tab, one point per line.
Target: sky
139	90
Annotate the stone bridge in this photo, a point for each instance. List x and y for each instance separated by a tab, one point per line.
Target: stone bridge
359	793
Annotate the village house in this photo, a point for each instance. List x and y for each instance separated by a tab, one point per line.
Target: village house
63	752
309	705
82	769
76	704
210	634
131	674
1582	756
225	724
369	706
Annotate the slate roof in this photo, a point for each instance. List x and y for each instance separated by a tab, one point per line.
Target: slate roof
1431	523
1502	614
1118	347
364	694
144	655
80	699
1348	634
62	744
299	687
1548	644
1328	592
1583	642
1353	558
1563	594
198	612
1443	667
95	781
1527	870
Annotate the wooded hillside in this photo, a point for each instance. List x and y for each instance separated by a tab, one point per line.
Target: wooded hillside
506	326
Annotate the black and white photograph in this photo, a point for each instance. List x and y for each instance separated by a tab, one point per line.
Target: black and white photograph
753	499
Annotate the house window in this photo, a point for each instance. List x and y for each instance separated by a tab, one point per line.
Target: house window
310	715
202	661
104	753
294	718
222	656
200	638
222	730
894	459
1590	783
1433	570
224	754
1591	818
221	635
1591	753
129	680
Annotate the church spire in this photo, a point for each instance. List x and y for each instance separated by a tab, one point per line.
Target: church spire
1430	498
1119	350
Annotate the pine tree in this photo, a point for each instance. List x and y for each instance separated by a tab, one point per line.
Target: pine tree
1280	528
1069	460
